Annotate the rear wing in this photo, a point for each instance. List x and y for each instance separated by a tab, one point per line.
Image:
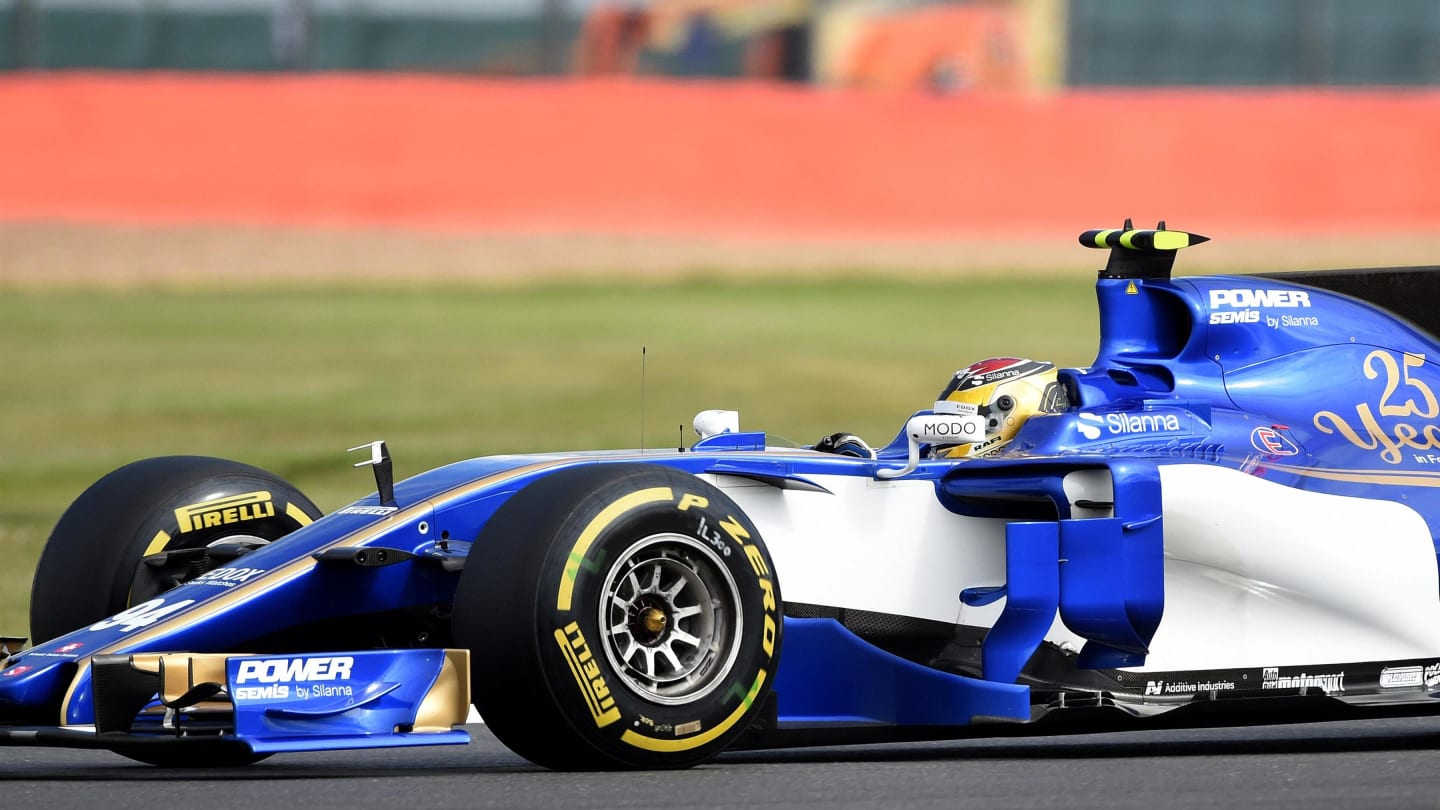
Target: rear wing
1139	253
1410	293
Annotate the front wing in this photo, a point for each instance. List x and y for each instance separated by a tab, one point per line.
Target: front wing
269	703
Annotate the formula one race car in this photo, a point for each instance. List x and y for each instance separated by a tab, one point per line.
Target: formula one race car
1230	515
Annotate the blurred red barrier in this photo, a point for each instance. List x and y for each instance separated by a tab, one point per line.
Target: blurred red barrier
739	159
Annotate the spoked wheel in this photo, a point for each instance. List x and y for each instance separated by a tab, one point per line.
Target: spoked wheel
670	617
619	616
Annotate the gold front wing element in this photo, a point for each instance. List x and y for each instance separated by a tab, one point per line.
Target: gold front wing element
447	704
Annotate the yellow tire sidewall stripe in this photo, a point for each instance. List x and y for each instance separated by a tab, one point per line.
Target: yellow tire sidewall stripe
687	743
565	596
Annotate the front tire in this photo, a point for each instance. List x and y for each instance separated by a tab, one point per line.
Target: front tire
91	566
619	616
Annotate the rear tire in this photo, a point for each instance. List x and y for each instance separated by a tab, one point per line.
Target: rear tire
619	616
91	566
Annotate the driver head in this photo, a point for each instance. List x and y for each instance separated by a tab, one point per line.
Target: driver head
1006	391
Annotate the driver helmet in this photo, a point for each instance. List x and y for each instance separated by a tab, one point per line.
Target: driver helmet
1006	391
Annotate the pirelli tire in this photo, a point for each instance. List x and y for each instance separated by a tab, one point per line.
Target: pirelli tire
91	566
619	616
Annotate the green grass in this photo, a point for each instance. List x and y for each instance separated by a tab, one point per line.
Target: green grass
288	379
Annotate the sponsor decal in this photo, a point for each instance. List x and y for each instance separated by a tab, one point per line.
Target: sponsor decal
993	377
292	670
989	372
1432	676
15	672
1330	683
378	511
1290	321
1187	687
274	691
988	447
298	678
1240	316
66	651
319	690
1250	299
1092	425
1271	442
224	511
769	630
1404	398
1396	677
1242	306
586	672
939	429
142	615
226	577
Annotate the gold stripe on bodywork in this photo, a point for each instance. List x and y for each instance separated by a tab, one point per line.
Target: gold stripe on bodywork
1377	477
601	522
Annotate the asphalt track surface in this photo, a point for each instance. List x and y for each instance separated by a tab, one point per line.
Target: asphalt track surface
1385	763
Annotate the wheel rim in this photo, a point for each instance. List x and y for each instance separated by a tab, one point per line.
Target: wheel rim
670	617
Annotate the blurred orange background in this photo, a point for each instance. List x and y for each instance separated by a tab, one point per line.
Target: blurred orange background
628	155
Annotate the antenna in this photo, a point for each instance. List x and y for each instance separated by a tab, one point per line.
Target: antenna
642	399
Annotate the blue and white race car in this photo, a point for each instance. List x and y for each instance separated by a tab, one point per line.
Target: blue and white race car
1231	515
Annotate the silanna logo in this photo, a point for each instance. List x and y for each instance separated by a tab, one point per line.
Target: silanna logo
989	372
1093	425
